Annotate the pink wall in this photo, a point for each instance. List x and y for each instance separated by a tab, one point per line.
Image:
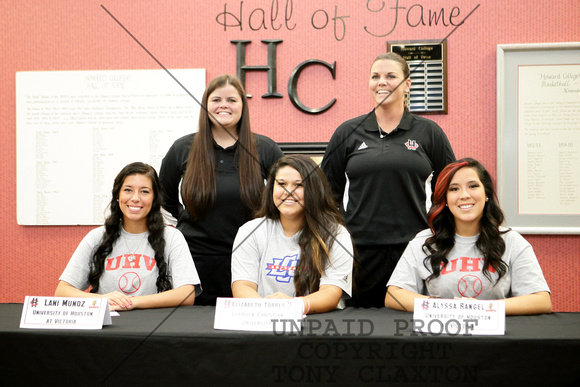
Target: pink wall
80	35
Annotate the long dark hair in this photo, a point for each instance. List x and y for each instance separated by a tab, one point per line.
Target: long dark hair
442	223
199	185
321	220
114	222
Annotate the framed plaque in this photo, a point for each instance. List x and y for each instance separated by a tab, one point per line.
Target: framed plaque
427	61
538	137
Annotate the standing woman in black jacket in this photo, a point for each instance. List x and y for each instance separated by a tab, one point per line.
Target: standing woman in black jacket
382	167
221	171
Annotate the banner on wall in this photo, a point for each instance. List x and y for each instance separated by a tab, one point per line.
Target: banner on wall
77	129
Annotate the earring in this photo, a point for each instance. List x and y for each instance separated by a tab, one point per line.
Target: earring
487	199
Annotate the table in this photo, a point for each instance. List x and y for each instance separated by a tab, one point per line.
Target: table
350	347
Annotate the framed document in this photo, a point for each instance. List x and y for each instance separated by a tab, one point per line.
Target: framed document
538	137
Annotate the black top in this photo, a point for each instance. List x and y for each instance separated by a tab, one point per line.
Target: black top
214	234
384	184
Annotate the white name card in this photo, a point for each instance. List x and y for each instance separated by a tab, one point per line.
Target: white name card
65	313
259	314
459	317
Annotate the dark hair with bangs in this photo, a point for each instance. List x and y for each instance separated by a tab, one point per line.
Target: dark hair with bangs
442	223
114	222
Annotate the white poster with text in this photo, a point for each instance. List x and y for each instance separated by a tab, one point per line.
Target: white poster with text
549	139
77	129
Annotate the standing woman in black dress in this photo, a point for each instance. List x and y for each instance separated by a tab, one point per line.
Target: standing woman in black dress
220	171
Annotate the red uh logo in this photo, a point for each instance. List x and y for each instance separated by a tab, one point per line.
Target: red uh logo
411	145
34	302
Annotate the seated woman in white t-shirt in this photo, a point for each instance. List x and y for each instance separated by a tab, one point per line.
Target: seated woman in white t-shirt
134	260
466	254
297	246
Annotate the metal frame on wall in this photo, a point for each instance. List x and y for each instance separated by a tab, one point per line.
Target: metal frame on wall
538	136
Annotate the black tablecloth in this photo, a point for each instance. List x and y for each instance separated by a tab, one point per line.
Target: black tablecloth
350	347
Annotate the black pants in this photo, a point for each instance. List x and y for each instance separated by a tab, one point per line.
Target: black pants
215	273
374	267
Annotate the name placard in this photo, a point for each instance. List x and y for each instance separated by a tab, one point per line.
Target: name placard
258	314
459	317
65	313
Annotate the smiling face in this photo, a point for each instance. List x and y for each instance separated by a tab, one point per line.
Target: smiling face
466	199
385	76
288	194
225	106
135	200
